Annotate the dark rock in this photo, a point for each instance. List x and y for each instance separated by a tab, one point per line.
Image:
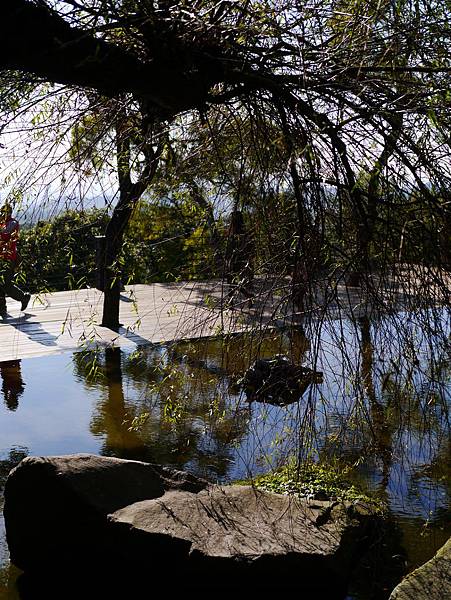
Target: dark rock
277	380
122	523
431	581
241	535
57	506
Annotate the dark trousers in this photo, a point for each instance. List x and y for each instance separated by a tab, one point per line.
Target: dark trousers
7	286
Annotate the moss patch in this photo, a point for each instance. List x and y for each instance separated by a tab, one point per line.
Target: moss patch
317	481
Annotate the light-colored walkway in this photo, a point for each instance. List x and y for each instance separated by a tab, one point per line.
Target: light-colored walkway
161	312
70	320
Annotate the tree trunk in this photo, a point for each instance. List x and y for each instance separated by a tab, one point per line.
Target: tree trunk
366	227
112	275
378	422
216	240
129	194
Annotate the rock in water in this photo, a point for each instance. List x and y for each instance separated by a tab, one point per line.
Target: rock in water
249	537
431	581
277	380
58	506
126	523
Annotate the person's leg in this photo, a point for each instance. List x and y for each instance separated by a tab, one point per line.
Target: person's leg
12	290
3	279
2	302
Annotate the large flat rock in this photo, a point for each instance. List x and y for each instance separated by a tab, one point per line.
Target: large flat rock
240	534
57	506
82	517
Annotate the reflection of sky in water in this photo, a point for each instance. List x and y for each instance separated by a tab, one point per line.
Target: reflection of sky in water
60	413
53	414
334	401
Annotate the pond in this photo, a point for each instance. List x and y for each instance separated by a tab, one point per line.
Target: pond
382	406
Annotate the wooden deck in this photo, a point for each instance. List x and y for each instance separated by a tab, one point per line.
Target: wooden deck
160	312
155	313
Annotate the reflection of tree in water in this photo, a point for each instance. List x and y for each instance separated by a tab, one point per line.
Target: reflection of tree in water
191	419
396	412
380	427
8	572
12	383
429	491
434	480
188	422
231	356
185	390
112	414
230	418
391	422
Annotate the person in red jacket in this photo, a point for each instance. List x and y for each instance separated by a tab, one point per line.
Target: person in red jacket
9	233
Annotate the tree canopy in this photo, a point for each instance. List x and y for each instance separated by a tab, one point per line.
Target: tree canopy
343	103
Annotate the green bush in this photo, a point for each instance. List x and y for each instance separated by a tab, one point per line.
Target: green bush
162	243
60	254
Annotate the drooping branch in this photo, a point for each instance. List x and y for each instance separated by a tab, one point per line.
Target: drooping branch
33	39
36	40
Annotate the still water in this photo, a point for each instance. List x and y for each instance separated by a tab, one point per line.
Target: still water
383	405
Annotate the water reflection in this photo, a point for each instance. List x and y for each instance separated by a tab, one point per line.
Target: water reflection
383	407
12	384
109	420
379	422
8	573
382	419
180	405
8	461
162	406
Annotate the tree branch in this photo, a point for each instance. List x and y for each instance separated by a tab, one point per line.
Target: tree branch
36	40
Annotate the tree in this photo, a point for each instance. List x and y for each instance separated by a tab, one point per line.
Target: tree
324	76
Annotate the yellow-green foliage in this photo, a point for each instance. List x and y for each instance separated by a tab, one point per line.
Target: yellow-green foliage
164	242
60	254
315	480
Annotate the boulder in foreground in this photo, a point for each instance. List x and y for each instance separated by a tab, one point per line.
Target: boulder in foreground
132	522
240	534
56	507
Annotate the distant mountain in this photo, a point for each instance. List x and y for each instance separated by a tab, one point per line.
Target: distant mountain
46	209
